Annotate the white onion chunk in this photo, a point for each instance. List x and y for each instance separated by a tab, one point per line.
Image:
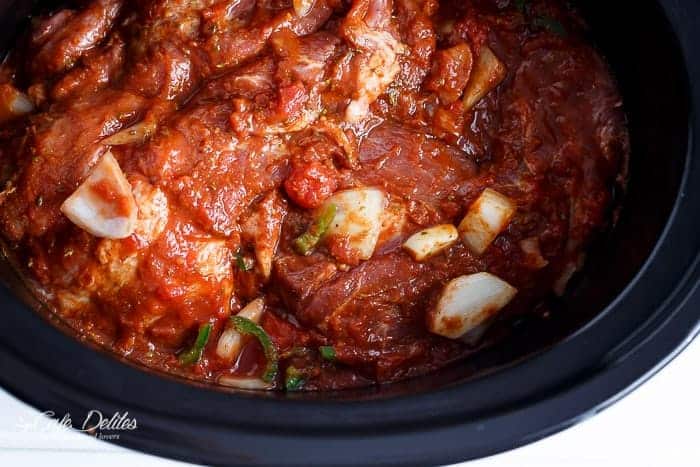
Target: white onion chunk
243	382
230	342
487	74
429	242
13	103
103	204
358	219
468	301
487	217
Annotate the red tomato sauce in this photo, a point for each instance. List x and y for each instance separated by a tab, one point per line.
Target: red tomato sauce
240	120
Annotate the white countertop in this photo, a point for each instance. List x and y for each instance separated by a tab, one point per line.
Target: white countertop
653	426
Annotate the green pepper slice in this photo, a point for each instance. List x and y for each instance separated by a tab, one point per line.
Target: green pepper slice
194	353
327	352
307	241
294	379
246	326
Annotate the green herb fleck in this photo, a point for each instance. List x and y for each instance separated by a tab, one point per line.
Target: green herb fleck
520	5
307	241
193	355
240	262
293	379
246	326
327	352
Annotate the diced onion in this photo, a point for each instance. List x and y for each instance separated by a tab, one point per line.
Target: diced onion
253	310
21	104
103	204
488	216
243	382
264	252
134	134
488	73
358	219
533	255
13	103
429	242
229	345
265	226
468	301
302	7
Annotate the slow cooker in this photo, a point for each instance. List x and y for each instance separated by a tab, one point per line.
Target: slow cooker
634	307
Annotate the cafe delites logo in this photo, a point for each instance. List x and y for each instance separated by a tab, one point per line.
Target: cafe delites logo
96	423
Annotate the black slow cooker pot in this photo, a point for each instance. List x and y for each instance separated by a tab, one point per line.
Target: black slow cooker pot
634	307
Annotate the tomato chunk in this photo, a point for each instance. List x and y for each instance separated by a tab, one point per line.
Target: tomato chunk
310	184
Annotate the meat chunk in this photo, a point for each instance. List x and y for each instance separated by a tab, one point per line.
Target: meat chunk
249	81
46	27
450	73
189	272
264	227
63	45
168	70
413	166
226	15
300	276
188	138
296	104
418	33
242	172
65	146
571	78
306	58
230	48
374	313
96	71
169	21
214	175
369	27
